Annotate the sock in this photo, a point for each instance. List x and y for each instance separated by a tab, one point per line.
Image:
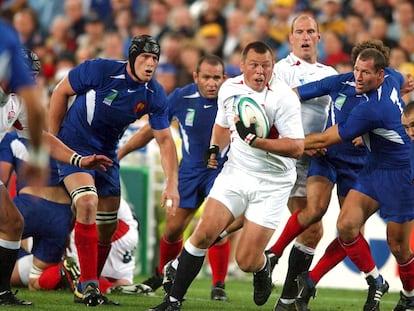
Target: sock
50	278
359	252
333	255
291	230
188	268
104	284
299	261
406	270
86	241
8	258
103	252
168	251
218	257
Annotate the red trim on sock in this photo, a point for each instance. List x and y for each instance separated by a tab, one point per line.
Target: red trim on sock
218	257
406	270
104	284
168	251
291	230
359	252
86	241
333	255
103	252
50	278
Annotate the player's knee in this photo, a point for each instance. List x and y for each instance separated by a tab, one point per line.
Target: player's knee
85	198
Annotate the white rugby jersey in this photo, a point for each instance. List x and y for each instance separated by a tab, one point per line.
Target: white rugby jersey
282	107
13	112
295	72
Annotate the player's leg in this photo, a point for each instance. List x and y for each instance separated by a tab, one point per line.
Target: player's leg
11	228
171	242
81	187
398	237
195	248
319	191
357	208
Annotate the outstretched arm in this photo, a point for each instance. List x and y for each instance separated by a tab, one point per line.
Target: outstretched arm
322	140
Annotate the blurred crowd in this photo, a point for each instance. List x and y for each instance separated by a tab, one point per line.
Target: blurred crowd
65	33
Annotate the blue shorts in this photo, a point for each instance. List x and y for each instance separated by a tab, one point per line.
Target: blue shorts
49	224
194	184
106	183
392	188
340	171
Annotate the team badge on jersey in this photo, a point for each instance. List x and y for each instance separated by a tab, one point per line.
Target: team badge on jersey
189	117
339	102
140	106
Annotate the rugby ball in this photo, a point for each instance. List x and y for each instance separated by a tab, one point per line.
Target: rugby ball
247	109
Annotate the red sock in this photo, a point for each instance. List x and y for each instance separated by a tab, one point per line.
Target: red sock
333	255
406	270
359	252
86	241
50	278
104	284
218	257
103	252
291	230
168	251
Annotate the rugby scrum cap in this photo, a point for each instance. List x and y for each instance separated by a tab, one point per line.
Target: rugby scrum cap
32	59
142	44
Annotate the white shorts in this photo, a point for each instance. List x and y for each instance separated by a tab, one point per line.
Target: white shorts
262	198
299	189
120	263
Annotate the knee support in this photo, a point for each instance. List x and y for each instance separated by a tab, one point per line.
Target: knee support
82	191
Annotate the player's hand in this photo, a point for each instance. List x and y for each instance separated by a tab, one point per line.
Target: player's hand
316	152
94	161
248	134
358	142
170	199
210	157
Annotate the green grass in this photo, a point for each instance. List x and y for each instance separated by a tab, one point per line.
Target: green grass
239	292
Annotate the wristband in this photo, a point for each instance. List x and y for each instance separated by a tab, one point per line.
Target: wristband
38	157
76	159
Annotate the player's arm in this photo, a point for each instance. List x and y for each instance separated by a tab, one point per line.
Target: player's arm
59	104
287	147
59	151
325	139
220	139
169	162
140	138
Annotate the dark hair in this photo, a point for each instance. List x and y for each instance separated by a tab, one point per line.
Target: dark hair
376	55
257	46
372	43
210	59
409	108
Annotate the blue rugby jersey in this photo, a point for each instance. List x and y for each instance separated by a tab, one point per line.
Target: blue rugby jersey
13	70
195	115
107	101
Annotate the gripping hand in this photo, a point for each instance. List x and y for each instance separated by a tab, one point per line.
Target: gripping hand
248	134
214	149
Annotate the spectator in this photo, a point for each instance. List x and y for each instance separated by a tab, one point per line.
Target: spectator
261	26
210	39
166	75
113	46
407	43
73	11
403	20
398	56
94	33
190	53
25	22
354	25
235	23
181	21
330	17
377	29
158	19
212	14
282	11
333	47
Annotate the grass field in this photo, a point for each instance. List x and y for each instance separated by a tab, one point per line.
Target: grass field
198	299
